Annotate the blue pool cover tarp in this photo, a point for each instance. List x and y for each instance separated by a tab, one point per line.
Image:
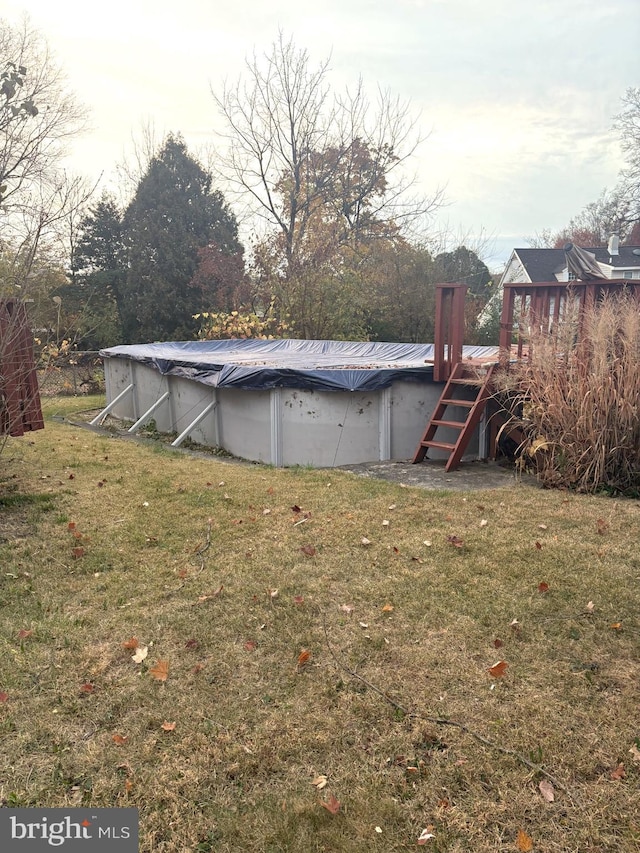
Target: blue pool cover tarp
312	365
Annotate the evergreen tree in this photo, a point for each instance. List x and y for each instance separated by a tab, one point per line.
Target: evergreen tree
173	214
463	266
98	275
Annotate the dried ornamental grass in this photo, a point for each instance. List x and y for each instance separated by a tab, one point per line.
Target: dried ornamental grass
578	399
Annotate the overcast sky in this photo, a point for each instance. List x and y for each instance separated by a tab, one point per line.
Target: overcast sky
516	98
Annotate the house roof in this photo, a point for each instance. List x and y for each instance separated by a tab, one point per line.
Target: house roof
544	264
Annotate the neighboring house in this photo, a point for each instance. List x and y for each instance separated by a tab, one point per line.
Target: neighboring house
531	265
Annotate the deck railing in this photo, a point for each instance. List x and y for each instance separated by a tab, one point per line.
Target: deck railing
541	306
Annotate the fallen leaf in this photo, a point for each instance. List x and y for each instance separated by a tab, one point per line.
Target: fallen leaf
168	727
319	782
603	526
140	654
538	546
304	657
3	696
498	669
635	752
483	522
547	791
128	785
388	608
524	842
87	687
298	599
617	626
160	671
365	541
77	553
23	633
618	773
346	608
378	829
209	595
543	587
119	740
392	506
71	525
131	643
589	607
514	625
192	643
455	541
385	523
363	624
309	550
332	805
427	834
295	508
250	645
273	593
266	511
497	643
542	526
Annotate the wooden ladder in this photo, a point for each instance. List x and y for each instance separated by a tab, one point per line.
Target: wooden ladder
464	376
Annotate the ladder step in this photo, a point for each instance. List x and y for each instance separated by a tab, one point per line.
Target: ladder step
452	424
469	404
471	380
439	445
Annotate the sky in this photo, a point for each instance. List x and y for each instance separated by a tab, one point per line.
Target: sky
515	100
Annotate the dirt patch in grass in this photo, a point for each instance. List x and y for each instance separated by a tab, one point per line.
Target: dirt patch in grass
282	602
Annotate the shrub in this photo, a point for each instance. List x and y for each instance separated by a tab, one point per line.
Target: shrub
223	326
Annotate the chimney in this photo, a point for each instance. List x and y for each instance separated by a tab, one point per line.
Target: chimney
613	244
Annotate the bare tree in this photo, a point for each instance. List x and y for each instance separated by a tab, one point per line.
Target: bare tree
627	123
322	170
292	143
37	117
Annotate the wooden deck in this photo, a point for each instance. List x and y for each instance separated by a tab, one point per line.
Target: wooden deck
540	306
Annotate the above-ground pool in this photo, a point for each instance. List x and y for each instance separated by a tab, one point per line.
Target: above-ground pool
284	402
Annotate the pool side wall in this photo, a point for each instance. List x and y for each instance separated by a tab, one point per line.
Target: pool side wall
285	426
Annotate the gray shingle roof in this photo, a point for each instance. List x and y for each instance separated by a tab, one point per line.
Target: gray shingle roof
544	264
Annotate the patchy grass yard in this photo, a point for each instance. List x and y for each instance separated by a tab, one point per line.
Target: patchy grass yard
276	607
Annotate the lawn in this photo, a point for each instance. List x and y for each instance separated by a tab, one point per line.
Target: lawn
303	660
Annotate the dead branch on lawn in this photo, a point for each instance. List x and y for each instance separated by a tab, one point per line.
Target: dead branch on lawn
439	721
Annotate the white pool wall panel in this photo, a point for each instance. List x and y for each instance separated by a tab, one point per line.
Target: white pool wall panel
285	426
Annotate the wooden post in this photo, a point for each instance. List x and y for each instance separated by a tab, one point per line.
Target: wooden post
449	329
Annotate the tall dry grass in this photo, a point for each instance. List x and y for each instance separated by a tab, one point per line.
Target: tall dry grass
577	399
